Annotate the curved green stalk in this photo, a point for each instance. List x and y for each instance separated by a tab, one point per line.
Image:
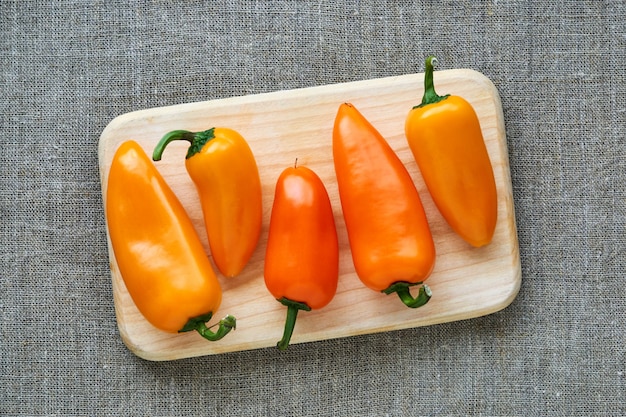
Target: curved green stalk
196	139
430	96
292	313
403	291
198	324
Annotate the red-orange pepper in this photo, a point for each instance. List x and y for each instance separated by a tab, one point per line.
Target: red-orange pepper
390	239
302	256
159	255
445	137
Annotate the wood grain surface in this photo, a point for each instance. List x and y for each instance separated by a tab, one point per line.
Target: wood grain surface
285	125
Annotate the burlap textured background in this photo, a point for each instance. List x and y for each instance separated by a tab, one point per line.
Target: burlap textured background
69	67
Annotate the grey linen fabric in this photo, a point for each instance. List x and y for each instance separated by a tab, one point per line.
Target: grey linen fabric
67	68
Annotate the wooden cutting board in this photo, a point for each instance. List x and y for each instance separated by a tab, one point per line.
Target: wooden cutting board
285	125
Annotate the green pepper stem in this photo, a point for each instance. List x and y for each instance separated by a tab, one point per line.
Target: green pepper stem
198	324
403	291
292	313
196	139
430	96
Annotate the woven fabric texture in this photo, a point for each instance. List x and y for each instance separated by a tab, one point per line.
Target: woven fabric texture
67	68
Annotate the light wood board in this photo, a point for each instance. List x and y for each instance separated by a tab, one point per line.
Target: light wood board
285	125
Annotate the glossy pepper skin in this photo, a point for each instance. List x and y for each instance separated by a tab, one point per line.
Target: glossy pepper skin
390	239
159	254
302	255
446	140
224	171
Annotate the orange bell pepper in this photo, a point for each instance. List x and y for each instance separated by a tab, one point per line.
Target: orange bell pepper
445	138
159	255
302	256
390	239
225	173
